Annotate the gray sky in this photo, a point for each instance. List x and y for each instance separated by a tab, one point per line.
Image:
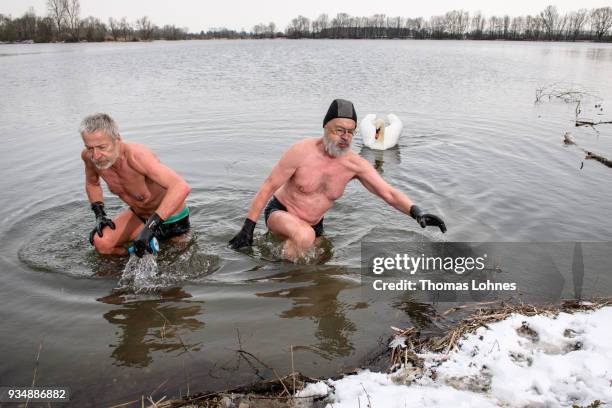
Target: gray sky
236	14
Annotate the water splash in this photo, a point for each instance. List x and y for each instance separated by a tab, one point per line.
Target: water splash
171	267
141	274
272	248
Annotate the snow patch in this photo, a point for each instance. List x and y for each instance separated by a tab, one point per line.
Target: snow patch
534	361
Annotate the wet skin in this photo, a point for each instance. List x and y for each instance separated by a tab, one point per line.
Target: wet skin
138	178
307	180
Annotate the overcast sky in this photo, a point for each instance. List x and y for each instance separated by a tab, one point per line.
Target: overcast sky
199	15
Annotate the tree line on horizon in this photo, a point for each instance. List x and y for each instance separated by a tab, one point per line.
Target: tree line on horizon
64	24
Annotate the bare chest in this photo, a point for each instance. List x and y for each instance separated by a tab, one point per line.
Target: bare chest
127	183
322	178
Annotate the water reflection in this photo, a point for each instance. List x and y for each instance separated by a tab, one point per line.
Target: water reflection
599	54
421	314
379	157
318	299
151	326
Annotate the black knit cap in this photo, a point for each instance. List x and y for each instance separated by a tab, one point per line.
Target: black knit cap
340	108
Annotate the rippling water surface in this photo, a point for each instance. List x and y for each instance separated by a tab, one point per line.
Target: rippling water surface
475	149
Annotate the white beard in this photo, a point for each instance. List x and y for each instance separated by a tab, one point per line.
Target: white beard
332	149
108	164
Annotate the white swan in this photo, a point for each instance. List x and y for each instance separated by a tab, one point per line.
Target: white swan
378	136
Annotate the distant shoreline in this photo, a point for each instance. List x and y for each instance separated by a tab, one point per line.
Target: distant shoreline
64	23
29	42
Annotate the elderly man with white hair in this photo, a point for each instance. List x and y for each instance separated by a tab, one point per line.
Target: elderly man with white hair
154	193
307	180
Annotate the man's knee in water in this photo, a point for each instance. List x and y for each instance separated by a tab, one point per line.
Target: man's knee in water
304	237
103	245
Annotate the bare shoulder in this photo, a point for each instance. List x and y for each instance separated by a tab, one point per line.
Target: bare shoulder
301	149
356	163
136	152
304	145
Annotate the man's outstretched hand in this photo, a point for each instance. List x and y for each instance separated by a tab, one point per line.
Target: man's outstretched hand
245	236
424	219
102	221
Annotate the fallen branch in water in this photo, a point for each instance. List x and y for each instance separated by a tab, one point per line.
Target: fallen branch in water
589	123
601	159
569	140
569	93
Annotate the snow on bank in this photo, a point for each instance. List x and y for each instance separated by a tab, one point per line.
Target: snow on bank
534	361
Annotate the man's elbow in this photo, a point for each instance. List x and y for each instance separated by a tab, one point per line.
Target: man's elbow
185	189
180	189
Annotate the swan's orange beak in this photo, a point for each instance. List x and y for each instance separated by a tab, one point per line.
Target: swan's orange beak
377	135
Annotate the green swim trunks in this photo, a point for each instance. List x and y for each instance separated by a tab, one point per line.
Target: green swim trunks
174	226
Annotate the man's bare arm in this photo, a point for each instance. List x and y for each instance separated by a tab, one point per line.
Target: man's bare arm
145	162
281	172
369	177
92	181
95	195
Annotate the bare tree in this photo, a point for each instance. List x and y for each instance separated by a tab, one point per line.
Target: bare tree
576	21
323	22
601	21
340	24
456	23
533	26
125	29
549	17
299	27
57	11
93	29
258	30
115	28
477	25
272	29
496	27
517	27
73	12
437	26
25	26
145	27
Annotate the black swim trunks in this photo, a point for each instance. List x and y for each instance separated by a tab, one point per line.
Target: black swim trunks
275	205
174	226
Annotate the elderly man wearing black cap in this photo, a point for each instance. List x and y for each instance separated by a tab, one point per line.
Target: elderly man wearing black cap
307	180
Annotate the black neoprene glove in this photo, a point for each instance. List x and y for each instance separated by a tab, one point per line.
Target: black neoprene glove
245	236
142	242
102	221
424	219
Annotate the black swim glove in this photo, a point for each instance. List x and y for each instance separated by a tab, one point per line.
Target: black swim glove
245	236
102	221
424	219
142	243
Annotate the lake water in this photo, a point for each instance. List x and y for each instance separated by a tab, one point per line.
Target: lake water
475	149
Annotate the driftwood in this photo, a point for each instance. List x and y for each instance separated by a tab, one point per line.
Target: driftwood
601	159
569	93
569	140
589	123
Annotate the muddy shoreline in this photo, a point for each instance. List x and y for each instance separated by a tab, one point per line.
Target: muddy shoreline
284	391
